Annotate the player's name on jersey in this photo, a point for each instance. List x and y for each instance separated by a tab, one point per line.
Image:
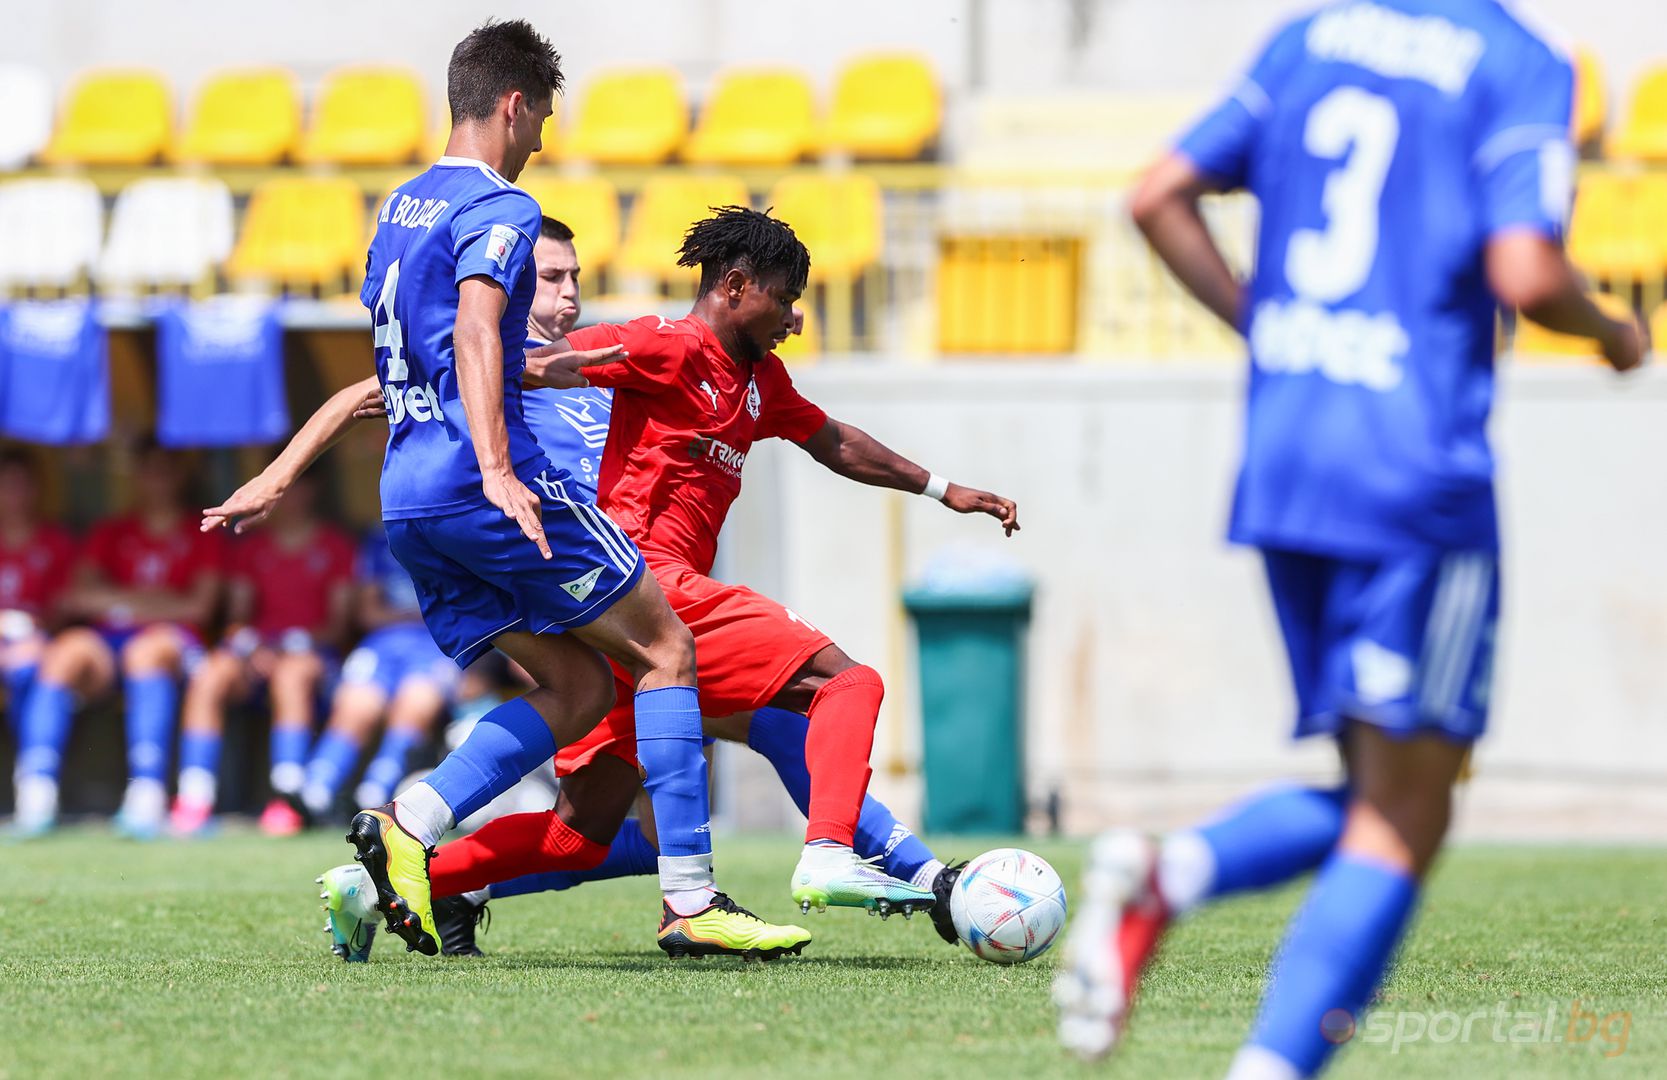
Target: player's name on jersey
412	213
1352	348
1428	48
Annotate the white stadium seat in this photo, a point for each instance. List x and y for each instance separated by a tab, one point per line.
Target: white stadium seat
167	231
26	121
49	231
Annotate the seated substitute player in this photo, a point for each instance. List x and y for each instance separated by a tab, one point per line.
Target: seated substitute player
148	582
571	427
546	579
690	399
36	558
288	594
1412	163
396	672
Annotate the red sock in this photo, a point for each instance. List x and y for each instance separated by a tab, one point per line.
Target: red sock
509	847
841	736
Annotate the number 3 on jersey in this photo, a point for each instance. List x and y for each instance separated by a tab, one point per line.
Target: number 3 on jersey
1329	264
389	334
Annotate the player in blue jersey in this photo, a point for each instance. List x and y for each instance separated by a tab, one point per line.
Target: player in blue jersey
570	425
501	552
1412	163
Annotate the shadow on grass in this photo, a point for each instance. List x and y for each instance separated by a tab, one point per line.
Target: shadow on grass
651	963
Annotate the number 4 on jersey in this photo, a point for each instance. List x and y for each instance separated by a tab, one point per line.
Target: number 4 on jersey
389	334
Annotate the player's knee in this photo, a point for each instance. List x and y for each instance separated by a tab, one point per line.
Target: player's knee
858	679
68	655
152	650
674	655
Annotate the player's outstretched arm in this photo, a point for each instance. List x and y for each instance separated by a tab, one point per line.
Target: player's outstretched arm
1165	208
1529	271
249	504
480	383
857	455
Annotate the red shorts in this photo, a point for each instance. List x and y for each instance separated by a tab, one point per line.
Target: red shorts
746	646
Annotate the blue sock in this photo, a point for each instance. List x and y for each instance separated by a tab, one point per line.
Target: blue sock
1273	837
669	747
779	735
630	855
288	750
1337	949
200	750
46	720
19	681
328	769
506	744
387	768
152	704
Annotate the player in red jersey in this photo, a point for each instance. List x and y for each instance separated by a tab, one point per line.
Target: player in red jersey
691	398
289	591
147	584
35	562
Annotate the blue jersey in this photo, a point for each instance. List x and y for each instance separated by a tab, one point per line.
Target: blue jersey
1386	143
571	427
377	566
460	219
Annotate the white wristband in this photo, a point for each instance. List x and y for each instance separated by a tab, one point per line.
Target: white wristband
936	487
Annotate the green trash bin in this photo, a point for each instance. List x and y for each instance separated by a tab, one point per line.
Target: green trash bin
971	650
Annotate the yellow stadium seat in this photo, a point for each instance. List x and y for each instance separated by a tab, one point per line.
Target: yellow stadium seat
247	117
837	216
1644	132
115	117
1619	227
755	117
588	205
1531	339
885	106
636	116
1008	294
1591	99
302	231
665	208
366	116
1658	332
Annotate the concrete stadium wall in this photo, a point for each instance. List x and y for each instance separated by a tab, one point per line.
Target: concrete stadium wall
1157	680
1005	46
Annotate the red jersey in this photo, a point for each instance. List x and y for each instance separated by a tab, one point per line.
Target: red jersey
35	572
293	586
684	417
130	557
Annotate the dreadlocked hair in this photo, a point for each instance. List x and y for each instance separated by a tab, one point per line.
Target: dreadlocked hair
740	238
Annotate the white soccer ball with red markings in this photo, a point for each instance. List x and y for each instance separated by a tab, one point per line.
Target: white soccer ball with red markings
1008	905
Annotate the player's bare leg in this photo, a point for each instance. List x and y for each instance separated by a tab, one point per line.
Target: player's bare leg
842	699
222	676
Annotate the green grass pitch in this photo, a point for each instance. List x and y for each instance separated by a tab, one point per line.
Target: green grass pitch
205	959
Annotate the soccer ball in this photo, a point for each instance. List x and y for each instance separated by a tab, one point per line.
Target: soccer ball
1008	905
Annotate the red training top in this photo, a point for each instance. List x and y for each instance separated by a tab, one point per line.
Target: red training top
684	417
131	557
34	573
292	585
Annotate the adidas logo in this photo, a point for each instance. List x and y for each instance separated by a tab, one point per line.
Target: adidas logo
579	588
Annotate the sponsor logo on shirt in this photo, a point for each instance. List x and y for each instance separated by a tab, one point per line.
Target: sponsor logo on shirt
499	243
720	453
419	403
1350	348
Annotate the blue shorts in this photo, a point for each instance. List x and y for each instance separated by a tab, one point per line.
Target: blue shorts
478	577
388	657
191	643
1403	643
